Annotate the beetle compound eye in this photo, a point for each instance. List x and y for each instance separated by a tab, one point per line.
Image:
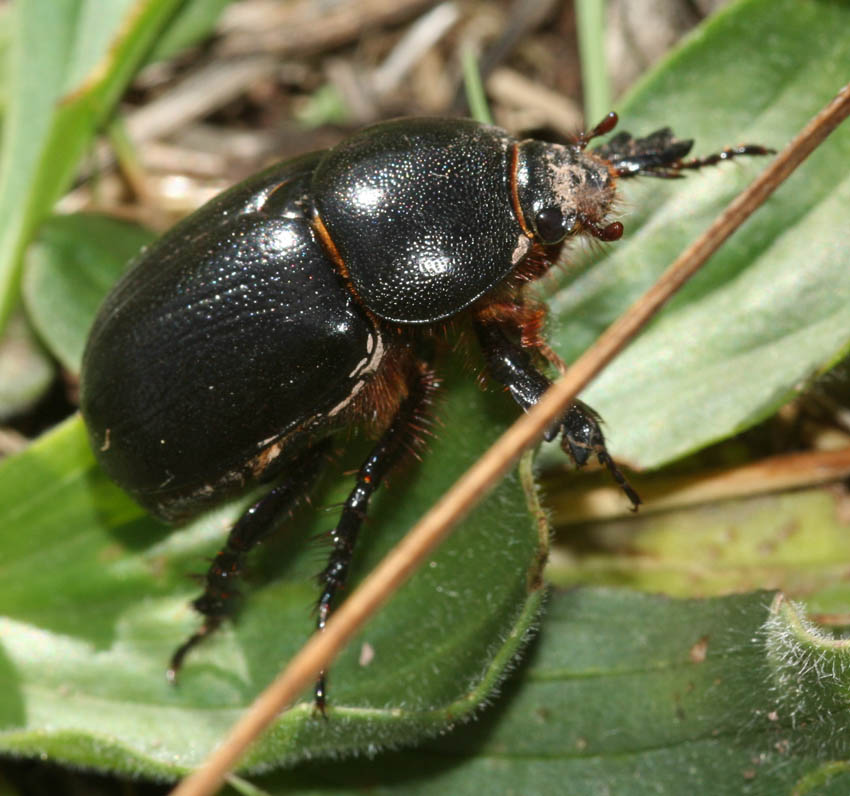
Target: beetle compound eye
553	226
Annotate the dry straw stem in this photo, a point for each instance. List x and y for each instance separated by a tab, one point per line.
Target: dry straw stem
421	541
767	475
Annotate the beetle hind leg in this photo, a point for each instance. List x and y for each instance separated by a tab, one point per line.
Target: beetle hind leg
220	594
402	435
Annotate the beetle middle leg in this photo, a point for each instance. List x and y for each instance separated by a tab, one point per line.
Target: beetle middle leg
220	591
401	435
581	436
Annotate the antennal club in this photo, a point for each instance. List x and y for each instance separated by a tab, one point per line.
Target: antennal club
603	128
614	230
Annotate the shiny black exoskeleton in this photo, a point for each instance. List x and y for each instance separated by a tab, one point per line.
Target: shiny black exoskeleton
296	303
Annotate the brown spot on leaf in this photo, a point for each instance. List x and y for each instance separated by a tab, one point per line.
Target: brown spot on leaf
699	650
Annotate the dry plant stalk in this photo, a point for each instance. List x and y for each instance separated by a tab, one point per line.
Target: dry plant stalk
435	526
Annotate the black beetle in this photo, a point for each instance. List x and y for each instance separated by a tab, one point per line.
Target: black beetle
298	303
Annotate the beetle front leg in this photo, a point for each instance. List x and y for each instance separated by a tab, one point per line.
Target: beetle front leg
402	434
220	592
581	435
660	154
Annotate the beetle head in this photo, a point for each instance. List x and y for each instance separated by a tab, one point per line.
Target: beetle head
562	190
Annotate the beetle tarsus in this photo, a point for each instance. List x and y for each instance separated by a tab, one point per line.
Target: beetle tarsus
725	154
606	461
210	625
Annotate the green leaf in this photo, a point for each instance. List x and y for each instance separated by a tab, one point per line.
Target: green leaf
95	601
26	371
772	308
5	40
69	62
637	694
193	22
69	270
796	541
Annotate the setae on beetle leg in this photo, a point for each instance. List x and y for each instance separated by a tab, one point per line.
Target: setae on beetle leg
401	435
511	365
220	592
